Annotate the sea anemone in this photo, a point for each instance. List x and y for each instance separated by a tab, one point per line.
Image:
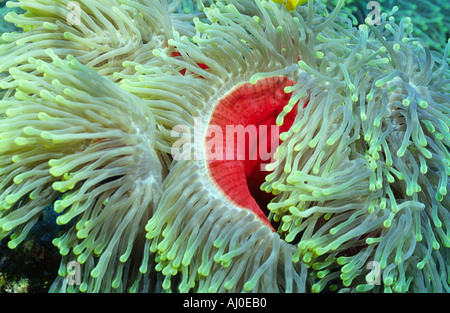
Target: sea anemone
361	177
154	134
232	73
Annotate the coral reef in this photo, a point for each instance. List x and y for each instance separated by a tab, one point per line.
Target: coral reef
20	286
31	267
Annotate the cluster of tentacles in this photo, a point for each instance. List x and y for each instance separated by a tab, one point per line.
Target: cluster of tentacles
120	120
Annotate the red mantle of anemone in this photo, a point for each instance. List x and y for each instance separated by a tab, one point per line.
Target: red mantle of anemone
240	177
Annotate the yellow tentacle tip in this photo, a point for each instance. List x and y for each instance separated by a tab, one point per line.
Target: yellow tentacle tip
291	4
